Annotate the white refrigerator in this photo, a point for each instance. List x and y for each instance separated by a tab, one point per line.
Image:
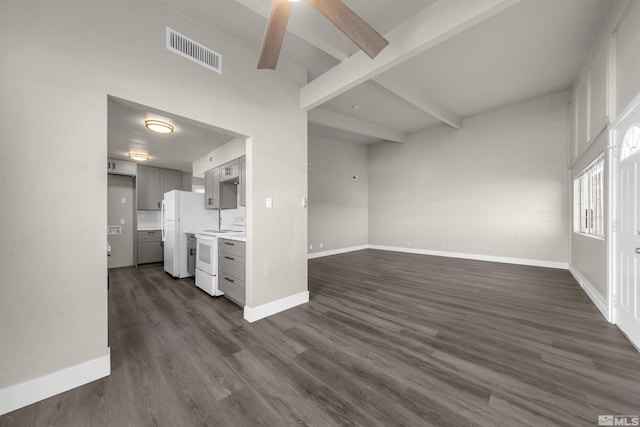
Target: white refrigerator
182	212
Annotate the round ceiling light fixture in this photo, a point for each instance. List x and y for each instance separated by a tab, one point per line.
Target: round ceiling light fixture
140	157
159	126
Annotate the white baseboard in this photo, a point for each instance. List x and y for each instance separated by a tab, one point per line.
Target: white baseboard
336	251
597	299
253	314
505	260
32	391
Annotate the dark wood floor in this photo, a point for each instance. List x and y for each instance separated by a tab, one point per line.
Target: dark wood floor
387	339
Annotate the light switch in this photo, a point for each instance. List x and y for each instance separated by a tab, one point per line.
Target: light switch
269	203
124	200
122	221
304	202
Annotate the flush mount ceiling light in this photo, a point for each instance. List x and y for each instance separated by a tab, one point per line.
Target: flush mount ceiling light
159	126
141	157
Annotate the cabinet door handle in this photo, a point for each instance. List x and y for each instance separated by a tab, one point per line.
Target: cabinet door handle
190	252
158	204
228	257
230	244
210	201
228	280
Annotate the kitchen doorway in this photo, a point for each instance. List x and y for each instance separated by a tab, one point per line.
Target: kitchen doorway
130	142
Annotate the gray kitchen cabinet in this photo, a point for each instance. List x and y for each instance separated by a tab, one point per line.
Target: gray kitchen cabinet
191	254
231	270
242	198
230	171
150	247
212	189
148	188
219	195
152	183
170	180
121	167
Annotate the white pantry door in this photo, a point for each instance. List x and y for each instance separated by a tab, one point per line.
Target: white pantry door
628	236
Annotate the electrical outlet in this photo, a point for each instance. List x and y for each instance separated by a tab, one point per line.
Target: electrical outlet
321	245
123	200
408	243
311	247
268	203
122	221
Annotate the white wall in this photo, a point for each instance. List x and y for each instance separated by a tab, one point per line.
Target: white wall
627	57
60	61
588	253
497	187
229	151
338	204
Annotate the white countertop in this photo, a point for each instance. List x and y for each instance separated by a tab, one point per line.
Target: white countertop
148	228
231	235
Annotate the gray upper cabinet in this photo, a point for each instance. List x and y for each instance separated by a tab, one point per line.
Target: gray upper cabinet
230	171
170	180
148	188
152	183
212	189
121	167
243	181
225	186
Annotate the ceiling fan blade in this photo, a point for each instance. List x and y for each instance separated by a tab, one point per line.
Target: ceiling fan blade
274	34
354	27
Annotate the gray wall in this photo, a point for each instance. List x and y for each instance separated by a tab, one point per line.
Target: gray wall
497	187
119	188
60	61
338	204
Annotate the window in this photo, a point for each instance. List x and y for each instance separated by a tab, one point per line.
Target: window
631	142
588	196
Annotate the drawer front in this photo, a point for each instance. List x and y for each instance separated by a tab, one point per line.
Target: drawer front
231	247
232	264
232	287
149	235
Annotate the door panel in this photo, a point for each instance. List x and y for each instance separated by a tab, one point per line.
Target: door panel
628	243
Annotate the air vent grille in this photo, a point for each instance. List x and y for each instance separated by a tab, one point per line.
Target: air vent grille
194	51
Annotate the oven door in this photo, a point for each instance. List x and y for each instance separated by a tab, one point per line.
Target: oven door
207	254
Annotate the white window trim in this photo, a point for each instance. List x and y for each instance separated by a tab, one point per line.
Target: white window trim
584	196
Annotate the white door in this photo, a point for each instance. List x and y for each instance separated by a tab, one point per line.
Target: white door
628	236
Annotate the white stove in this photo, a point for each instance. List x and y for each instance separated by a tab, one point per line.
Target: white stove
207	258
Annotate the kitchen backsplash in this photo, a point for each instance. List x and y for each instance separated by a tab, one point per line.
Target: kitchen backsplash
149	219
233	219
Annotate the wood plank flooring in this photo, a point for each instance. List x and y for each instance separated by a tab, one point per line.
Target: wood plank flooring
388	339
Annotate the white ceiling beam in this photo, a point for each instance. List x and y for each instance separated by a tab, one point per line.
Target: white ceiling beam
409	93
419	100
433	25
349	124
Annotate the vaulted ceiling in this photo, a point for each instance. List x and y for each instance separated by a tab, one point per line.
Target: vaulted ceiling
446	60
